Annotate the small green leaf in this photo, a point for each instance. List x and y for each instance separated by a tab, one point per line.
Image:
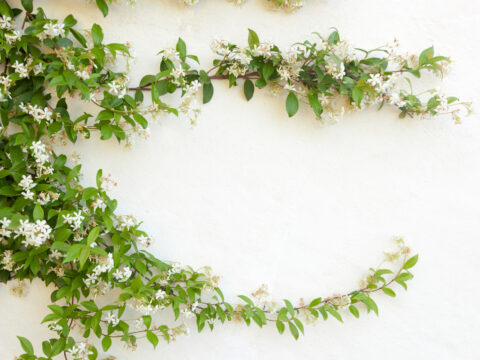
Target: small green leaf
293	330
389	292
248	89
152	338
315	104
140	120
354	311
267	70
102	5
357	96
147	80
425	56
27	5
106	343
280	326
411	262
290	308
38	212
207	92
97	35
92	235
26	345
252	38
292	104
106	131
182	49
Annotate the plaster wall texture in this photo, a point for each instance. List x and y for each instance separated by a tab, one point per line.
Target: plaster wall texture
302	207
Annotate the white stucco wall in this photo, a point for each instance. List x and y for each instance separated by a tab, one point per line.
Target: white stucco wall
301	207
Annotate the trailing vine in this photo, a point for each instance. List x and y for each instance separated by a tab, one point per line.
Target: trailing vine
70	237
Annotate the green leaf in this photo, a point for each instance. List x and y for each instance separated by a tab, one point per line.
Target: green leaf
27	5
26	345
207	92
106	131
73	253
280	326
69	21
389	291
140	120
247	300
291	104
315	302
92	235
182	49
293	330
97	35
425	56
248	89
299	325
147	320
252	38
334	37
357	96
38	212
106	343
80	38
267	70
411	262
333	312
147	80
152	338
315	104
102	5
354	311
290	308
47	348
84	253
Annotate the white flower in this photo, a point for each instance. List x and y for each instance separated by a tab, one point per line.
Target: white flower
126	222
337	70
7	23
84	75
75	220
7	262
219	46
187	313
80	351
12	38
111	318
99	204
55	255
21	69
117	88
35	233
43	198
122	274
144	240
26	183
52	30
5	223
375	80
263	49
291	55
38	68
160	294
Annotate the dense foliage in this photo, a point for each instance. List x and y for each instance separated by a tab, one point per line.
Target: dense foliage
70	237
